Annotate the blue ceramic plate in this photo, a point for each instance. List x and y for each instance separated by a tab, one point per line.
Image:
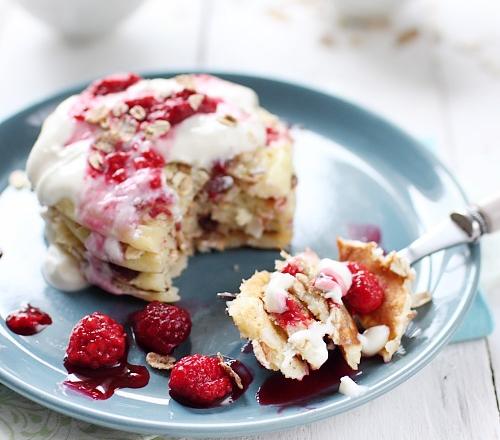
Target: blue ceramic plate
353	167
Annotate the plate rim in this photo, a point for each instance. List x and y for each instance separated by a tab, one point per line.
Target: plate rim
282	422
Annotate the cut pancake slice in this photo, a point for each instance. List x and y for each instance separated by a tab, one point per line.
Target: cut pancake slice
339	326
268	340
297	314
395	276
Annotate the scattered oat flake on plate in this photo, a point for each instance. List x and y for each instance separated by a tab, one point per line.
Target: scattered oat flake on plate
160	361
230	371
419	299
19	180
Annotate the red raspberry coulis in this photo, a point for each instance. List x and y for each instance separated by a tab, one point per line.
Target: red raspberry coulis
277	390
28	321
364	232
100	384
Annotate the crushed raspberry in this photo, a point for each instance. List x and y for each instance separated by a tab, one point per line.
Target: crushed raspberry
145	102
96	341
220	182
292	269
294	315
110	84
113	84
116	159
218	185
161	327
219	168
355	267
114	166
119	175
365	295
160	205
176	108
178	112
118	165
152	159
199	380
271	135
28	321
155	181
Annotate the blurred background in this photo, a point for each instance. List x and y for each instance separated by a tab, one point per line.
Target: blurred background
430	66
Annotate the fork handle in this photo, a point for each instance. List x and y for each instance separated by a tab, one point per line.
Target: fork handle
458	228
490	211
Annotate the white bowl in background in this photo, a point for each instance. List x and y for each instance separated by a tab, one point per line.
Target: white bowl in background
361	10
81	19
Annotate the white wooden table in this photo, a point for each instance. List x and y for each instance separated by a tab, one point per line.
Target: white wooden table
441	83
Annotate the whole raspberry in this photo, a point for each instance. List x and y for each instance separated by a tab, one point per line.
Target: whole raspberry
96	341
365	295
161	327
199	380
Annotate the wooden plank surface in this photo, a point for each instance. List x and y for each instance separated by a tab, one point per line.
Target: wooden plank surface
440	402
468	68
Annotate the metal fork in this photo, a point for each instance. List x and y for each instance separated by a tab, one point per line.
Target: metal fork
459	228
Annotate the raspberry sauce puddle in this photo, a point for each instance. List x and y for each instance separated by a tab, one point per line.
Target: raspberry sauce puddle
246	379
100	384
247	348
364	232
28	321
283	392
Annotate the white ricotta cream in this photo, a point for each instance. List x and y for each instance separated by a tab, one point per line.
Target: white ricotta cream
61	270
374	339
58	160
334	279
350	388
202	139
276	292
104	248
310	345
